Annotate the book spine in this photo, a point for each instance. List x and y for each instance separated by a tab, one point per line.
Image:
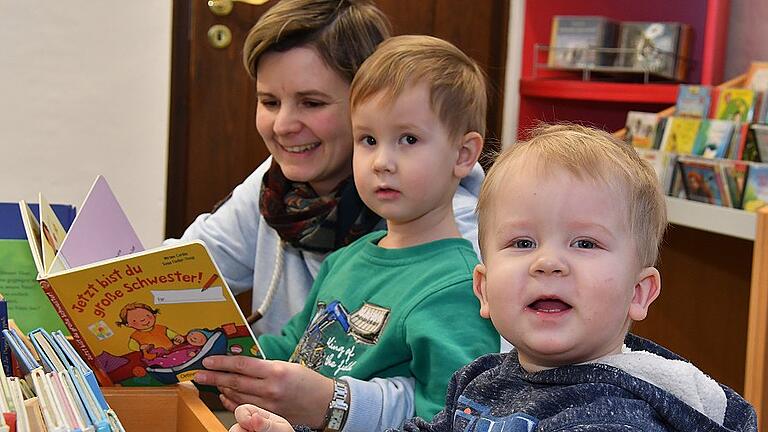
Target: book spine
5	350
78	341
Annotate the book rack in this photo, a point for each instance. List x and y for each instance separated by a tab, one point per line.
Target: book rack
175	408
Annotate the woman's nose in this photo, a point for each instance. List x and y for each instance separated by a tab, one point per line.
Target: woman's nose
287	121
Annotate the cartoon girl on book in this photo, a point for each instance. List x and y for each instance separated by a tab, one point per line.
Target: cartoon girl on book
150	338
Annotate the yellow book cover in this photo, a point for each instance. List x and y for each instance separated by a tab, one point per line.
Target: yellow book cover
680	135
150	318
735	104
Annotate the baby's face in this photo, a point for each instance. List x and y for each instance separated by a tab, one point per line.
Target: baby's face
560	267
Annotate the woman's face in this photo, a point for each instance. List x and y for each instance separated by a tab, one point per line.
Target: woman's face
303	116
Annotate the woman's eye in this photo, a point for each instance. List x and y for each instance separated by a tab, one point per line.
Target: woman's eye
408	139
269	103
523	244
585	244
313	104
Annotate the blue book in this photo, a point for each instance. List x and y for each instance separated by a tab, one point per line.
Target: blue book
693	101
12	227
5	349
27	361
714	138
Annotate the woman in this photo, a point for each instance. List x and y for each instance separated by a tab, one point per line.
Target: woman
301	204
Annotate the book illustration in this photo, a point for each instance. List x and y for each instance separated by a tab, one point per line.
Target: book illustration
52	231
714	138
151	318
693	101
757	77
100	217
641	129
756	188
680	135
649	46
735	104
702	182
573	36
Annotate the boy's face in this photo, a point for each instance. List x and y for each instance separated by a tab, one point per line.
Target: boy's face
404	159
561	279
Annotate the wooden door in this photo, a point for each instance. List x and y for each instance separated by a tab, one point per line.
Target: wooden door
213	143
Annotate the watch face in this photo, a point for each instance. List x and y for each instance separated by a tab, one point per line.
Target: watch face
335	421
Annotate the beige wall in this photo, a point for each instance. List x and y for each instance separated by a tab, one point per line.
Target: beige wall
747	30
84	90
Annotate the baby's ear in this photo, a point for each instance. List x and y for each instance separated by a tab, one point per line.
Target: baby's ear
478	286
469	151
647	289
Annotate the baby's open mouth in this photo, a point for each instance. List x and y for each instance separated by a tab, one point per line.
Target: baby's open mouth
549	305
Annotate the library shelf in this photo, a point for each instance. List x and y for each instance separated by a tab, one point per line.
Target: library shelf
706	217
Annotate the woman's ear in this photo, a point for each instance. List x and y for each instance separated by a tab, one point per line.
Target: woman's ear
647	289
469	152
478	286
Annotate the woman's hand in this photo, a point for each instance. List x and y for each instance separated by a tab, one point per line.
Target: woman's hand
298	394
251	418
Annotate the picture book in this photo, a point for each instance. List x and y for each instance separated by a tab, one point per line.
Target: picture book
735	104
662	162
702	181
713	138
573	36
18	269
693	101
641	129
650	46
756	187
150	318
757	77
761	140
735	175
680	135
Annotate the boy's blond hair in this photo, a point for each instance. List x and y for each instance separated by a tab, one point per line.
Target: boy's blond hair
588	153
344	32
457	85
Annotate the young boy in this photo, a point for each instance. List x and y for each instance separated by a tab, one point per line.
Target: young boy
570	225
381	317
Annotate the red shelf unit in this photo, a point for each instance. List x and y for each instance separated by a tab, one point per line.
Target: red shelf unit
606	104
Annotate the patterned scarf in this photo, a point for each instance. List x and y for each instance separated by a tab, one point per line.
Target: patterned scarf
311	222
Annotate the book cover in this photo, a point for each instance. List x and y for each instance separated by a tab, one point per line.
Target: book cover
713	138
150	318
757	77
649	46
5	349
702	182
756	188
52	232
735	173
693	101
641	129
680	135
735	104
100	217
572	36
761	141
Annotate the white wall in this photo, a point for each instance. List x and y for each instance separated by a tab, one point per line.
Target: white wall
84	90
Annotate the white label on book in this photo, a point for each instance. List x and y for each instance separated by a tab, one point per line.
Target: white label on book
195	295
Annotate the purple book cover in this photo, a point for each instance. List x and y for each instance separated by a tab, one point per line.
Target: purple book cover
100	231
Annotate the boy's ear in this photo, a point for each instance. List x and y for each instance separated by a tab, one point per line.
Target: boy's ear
469	152
478	286
647	289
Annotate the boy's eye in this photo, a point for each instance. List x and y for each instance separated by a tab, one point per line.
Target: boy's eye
584	244
523	244
408	139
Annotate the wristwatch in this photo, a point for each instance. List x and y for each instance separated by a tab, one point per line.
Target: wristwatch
336	415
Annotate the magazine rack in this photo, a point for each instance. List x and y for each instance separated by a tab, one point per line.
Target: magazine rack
601	60
172	408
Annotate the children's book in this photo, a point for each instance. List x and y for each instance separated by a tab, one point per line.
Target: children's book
735	104
641	129
140	317
756	187
680	135
703	182
572	37
757	77
713	138
693	101
761	141
655	47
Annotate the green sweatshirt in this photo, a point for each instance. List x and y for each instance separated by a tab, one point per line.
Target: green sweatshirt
376	312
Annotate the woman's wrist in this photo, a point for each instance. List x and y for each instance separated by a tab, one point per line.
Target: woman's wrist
338	408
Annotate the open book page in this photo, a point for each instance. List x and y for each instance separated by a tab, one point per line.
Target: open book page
52	232
32	228
101	231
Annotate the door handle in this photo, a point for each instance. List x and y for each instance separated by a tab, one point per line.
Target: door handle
224	7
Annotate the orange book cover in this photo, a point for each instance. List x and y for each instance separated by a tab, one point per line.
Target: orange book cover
150	318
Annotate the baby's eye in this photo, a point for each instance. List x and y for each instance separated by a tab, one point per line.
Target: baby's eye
408	139
522	244
368	140
584	244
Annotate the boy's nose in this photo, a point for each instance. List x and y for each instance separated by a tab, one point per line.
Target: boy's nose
549	264
383	161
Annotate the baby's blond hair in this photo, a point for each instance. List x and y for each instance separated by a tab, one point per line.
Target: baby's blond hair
592	154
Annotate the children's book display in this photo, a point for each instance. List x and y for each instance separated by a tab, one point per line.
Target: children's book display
138	317
715	152
57	391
